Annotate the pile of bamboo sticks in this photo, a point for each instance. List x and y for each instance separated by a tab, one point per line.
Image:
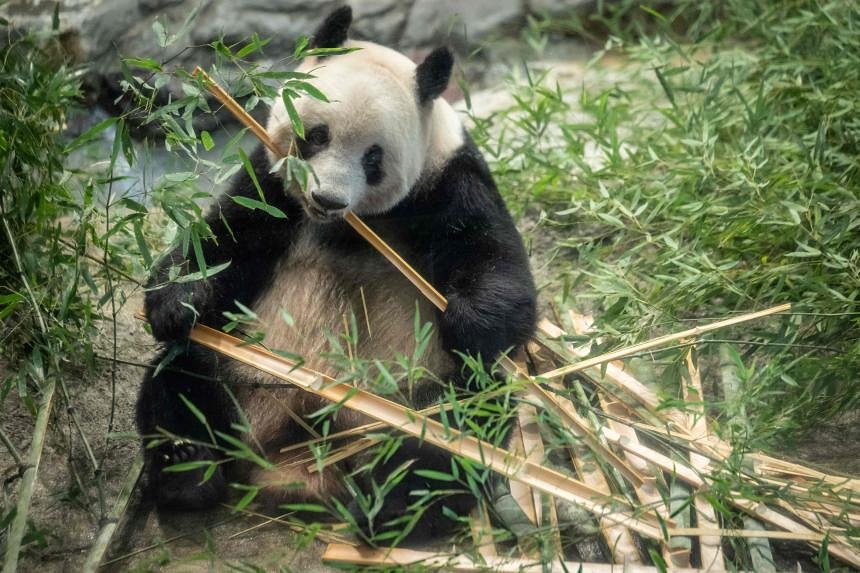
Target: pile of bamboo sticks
629	411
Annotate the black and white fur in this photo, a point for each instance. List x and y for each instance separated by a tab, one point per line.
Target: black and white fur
390	149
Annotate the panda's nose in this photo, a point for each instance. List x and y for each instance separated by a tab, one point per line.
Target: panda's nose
327	203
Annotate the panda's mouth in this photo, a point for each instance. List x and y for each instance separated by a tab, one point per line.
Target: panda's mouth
320	214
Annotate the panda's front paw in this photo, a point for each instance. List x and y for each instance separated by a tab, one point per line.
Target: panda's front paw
170	320
187	489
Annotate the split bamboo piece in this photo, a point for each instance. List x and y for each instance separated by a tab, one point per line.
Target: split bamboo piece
413	423
354	221
482	531
529	446
710	547
619	539
461	563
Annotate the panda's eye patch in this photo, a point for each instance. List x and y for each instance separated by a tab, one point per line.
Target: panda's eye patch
316	139
372	164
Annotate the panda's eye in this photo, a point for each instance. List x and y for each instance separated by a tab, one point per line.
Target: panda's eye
318	136
372	164
316	139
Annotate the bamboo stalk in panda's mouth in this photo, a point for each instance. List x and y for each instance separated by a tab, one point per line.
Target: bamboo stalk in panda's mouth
354	220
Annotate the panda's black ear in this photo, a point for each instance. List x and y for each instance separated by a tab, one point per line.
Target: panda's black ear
433	74
333	31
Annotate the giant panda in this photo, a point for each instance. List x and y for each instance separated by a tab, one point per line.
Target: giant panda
388	148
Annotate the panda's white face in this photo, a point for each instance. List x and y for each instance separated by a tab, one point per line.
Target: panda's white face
372	141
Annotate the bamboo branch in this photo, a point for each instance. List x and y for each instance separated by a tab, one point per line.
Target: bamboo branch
13	451
34	455
103	539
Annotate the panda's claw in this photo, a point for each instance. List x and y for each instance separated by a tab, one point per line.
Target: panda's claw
177	490
184	452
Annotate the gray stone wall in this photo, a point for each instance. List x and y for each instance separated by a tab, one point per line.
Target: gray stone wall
105	29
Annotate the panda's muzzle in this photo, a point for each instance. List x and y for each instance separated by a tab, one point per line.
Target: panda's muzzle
327	203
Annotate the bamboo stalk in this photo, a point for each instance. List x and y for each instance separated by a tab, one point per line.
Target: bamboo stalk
462	563
661	340
759	547
411	422
37	443
102	542
745	533
238	111
680	546
28	482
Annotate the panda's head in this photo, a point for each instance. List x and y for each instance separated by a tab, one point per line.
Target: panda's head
383	129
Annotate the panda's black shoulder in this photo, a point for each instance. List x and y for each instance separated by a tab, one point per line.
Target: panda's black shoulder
460	188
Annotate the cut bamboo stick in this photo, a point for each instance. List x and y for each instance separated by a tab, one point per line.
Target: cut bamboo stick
411	422
105	534
28	481
462	563
662	340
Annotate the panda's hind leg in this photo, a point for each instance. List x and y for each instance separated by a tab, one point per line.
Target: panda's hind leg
401	509
173	433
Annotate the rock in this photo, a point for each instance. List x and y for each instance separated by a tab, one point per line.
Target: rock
283	22
379	21
556	7
434	21
156	5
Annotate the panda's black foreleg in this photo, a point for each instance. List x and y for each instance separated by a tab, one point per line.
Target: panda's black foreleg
174	434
